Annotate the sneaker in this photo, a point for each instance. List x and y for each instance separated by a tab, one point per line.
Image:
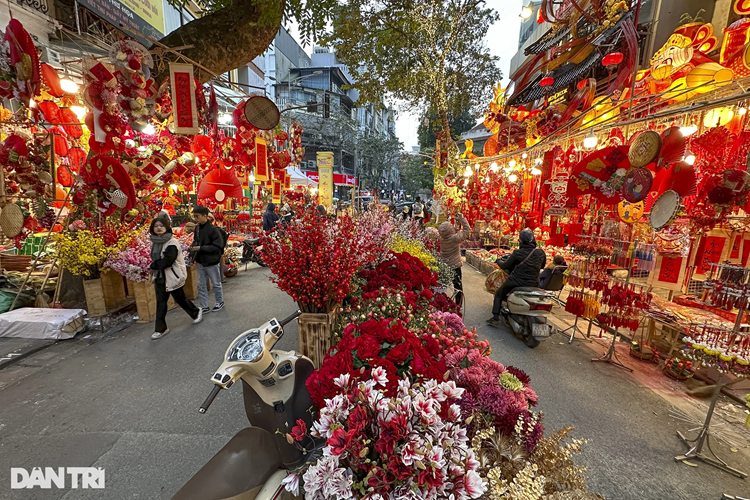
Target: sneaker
200	316
205	310
158	335
495	323
493	319
219	306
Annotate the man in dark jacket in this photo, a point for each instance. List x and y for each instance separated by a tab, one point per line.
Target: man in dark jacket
523	267
207	249
225	239
270	218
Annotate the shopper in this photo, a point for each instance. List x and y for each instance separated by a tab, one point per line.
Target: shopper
450	250
270	218
417	210
225	238
207	249
169	274
321	210
523	266
286	214
558	267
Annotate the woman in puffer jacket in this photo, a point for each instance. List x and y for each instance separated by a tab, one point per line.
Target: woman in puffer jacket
450	250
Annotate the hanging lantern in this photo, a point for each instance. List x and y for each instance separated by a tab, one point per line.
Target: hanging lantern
612	60
547	81
708	76
77	157
61	145
718	117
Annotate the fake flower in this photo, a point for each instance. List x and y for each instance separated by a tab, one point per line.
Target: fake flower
134	261
415	248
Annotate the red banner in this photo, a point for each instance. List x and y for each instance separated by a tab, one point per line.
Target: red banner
670	269
287	181
183	98
338	179
261	160
709	252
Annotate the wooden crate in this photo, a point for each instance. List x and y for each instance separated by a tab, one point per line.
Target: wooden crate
145	300
113	287
315	335
191	284
95	305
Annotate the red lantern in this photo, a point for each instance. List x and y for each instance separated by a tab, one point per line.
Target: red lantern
547	81
612	60
77	157
61	145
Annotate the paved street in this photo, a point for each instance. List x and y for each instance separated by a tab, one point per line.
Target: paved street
129	404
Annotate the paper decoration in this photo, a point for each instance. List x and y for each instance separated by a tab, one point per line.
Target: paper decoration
669	272
734	252
287	181
713	248
325	176
277	191
220	184
183	99
261	159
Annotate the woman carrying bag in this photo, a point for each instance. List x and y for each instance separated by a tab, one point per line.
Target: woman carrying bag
168	273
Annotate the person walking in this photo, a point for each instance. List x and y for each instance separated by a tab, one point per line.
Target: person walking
225	238
417	210
169	274
450	250
523	267
207	249
270	218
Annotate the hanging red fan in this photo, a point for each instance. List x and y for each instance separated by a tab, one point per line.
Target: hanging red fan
681	179
23	52
52	80
601	173
220	184
673	147
50	110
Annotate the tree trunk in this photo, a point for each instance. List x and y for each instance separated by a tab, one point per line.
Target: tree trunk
226	39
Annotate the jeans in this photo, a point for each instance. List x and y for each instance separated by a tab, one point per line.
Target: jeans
162	296
458	285
214	274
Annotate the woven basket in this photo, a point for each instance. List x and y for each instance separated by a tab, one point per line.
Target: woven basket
644	353
672	374
644	149
11	220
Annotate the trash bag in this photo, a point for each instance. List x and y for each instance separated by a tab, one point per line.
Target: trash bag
495	280
6	300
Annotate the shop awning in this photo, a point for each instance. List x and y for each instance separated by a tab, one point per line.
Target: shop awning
300	179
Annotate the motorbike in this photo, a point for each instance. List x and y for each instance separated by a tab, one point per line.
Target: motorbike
526	314
256	460
250	248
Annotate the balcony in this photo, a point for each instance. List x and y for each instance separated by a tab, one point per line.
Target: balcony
38	5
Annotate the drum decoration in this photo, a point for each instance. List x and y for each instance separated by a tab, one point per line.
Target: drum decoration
644	148
637	184
665	210
630	212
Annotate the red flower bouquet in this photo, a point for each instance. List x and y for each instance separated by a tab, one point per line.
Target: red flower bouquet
376	344
401	270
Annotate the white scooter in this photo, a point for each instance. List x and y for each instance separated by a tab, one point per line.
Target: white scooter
526	314
255	461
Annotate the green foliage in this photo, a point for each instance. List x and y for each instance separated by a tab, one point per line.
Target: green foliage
415	175
427	134
380	156
428	53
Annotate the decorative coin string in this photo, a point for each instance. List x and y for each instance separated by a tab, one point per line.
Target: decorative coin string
727	350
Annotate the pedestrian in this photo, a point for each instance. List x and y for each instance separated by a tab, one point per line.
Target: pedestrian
558	267
286	214
270	218
225	238
417	210
321	210
450	250
207	249
169	273
523	266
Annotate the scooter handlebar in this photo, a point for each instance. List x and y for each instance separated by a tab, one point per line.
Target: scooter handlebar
209	399
290	318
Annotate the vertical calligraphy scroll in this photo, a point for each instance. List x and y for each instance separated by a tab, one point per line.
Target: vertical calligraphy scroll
184	108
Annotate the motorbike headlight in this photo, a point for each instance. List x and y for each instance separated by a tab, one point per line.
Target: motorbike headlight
248	348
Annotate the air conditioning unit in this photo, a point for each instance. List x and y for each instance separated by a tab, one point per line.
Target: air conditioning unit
51	57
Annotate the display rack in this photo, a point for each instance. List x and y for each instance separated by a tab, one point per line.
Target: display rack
738	278
574	327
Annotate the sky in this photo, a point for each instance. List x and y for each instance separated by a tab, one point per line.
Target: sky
502	39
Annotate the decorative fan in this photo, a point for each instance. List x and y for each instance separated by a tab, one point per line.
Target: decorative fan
262	112
681	178
637	184
644	148
665	210
220	184
601	173
52	80
673	147
105	174
630	212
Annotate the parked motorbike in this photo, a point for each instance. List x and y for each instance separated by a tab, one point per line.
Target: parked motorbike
250	248
255	461
526	314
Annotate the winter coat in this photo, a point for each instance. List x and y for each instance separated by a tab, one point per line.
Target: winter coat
450	242
208	237
528	273
171	266
270	218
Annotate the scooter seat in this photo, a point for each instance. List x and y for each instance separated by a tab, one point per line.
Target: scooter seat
242	466
251	241
528	289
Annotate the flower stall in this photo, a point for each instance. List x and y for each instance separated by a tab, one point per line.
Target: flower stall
91	150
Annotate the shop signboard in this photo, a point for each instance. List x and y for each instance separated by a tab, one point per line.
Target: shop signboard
338	179
143	16
325	178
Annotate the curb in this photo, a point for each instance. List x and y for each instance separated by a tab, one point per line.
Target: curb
15	359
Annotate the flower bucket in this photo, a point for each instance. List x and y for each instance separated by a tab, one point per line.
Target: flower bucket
315	335
191	284
95	305
113	289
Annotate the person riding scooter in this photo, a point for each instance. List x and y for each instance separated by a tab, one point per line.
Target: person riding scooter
523	267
